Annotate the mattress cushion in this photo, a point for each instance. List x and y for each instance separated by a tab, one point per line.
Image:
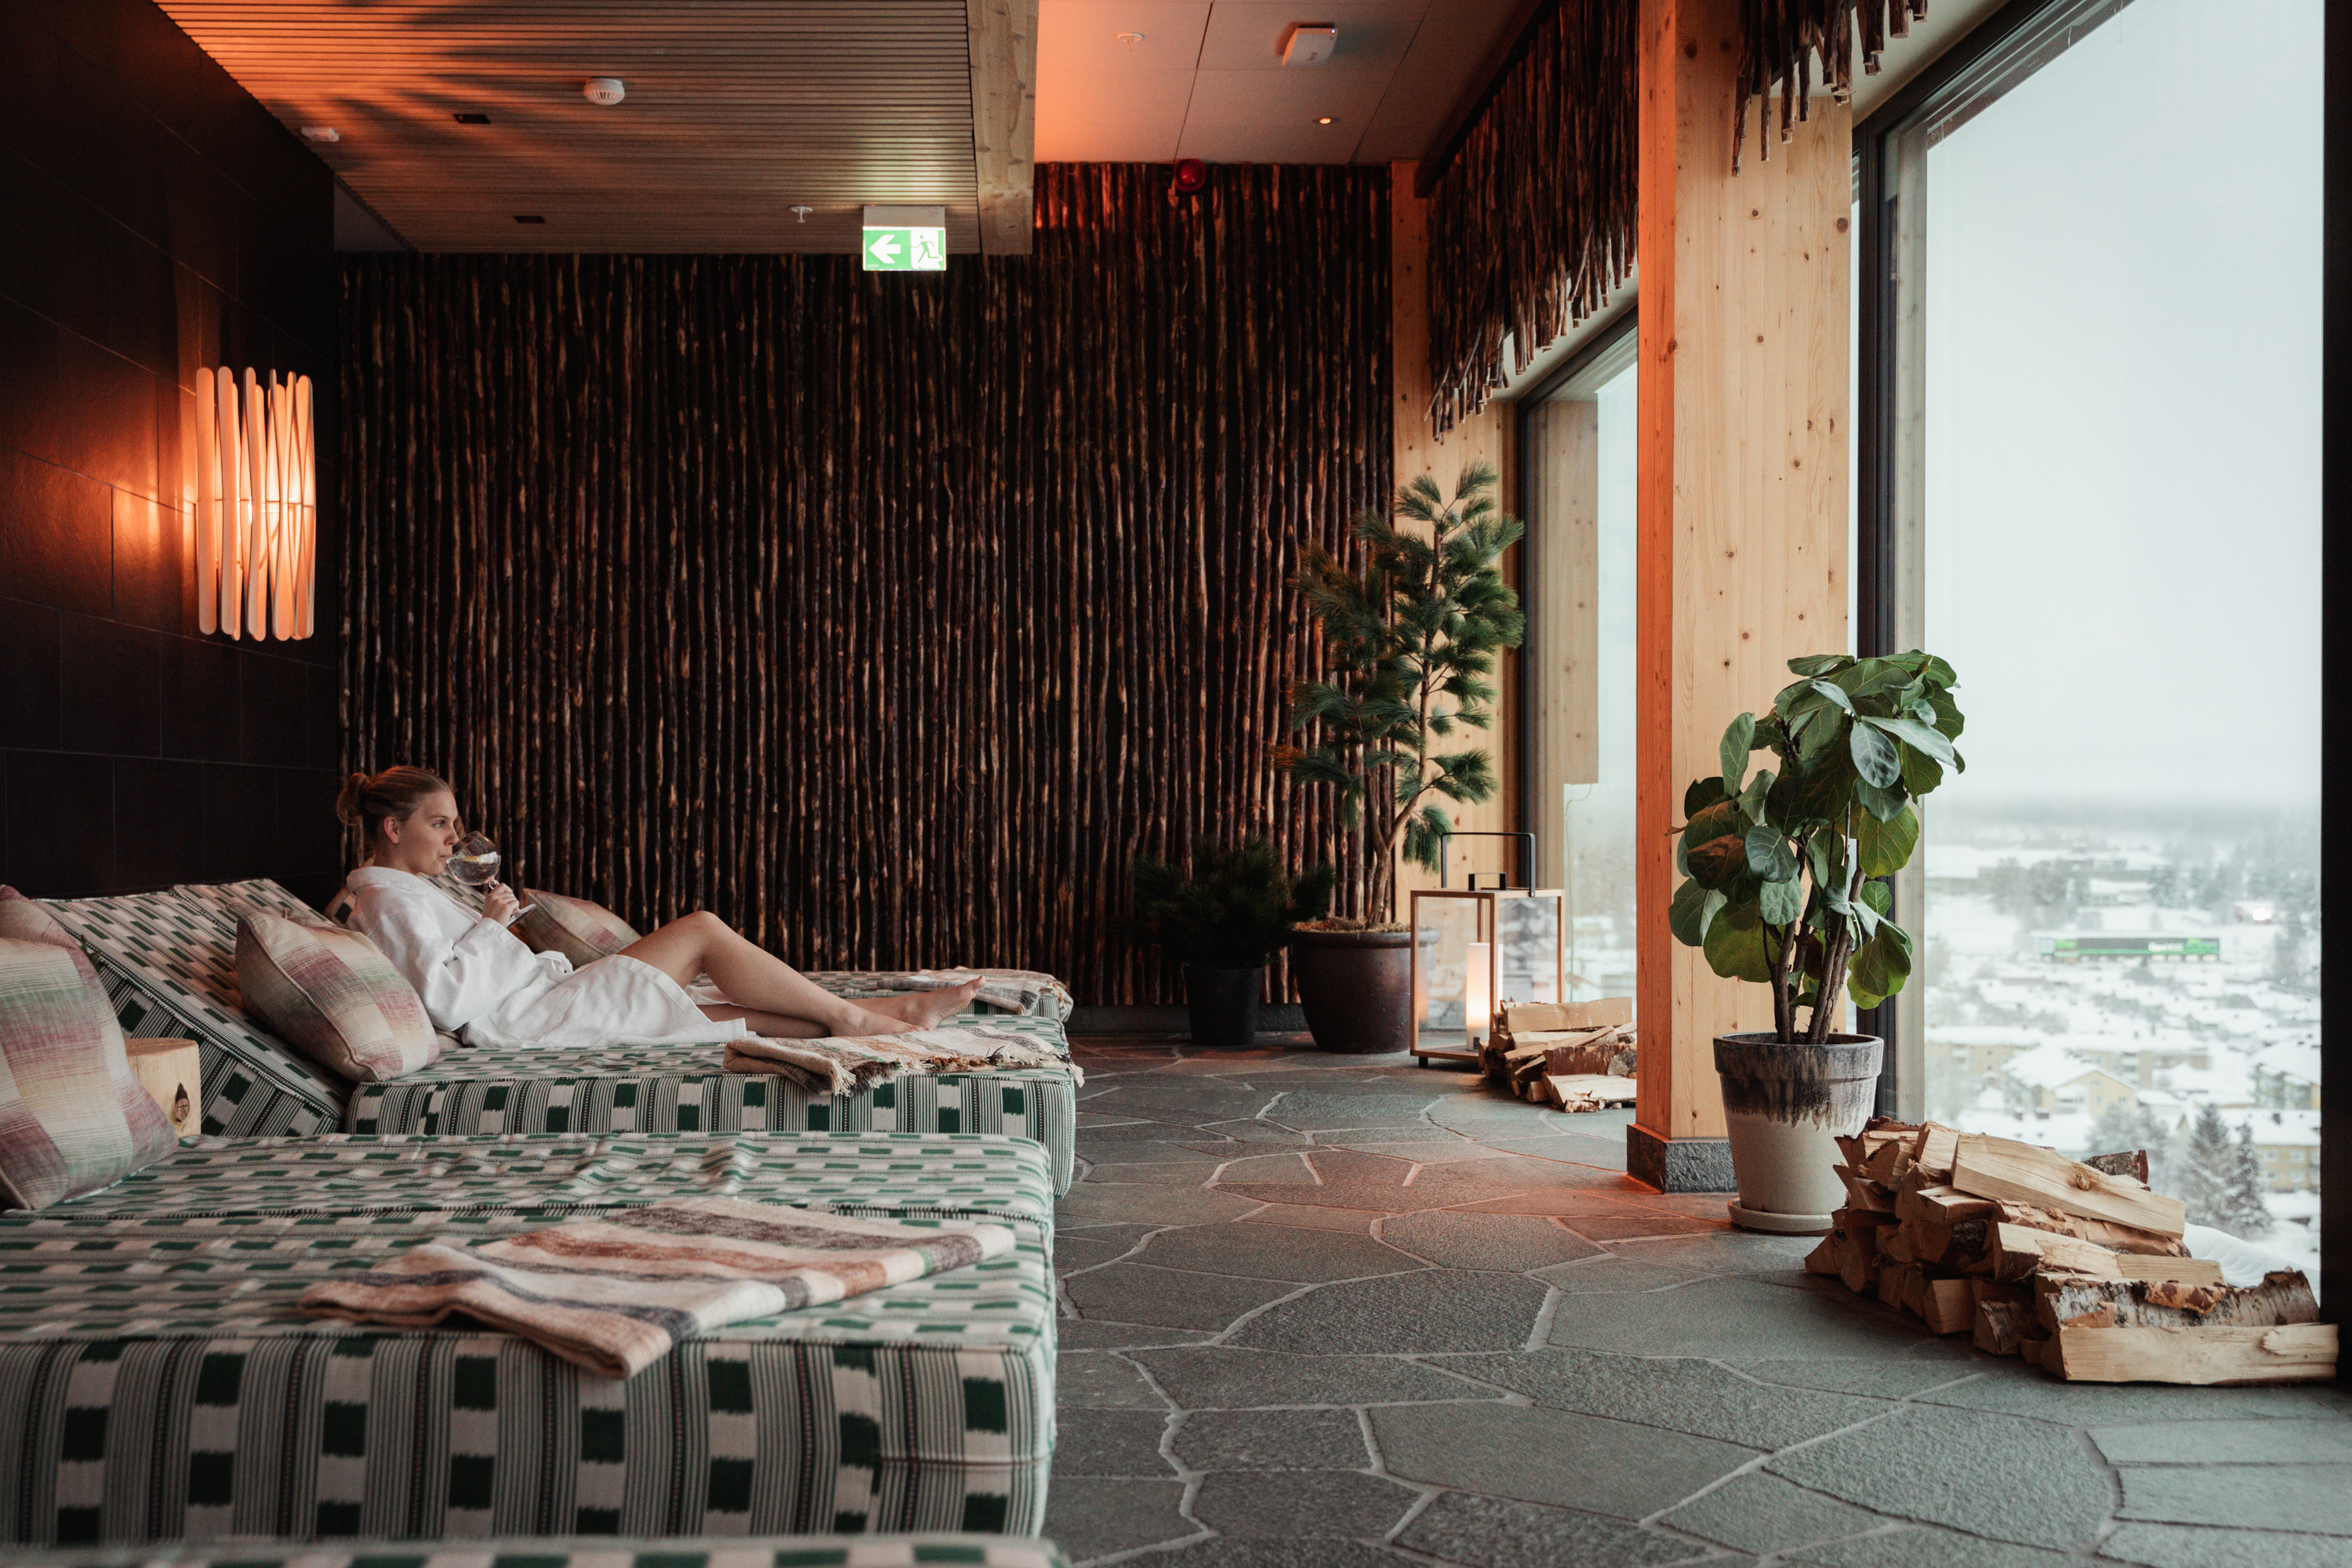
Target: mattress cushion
167	1388
684	1089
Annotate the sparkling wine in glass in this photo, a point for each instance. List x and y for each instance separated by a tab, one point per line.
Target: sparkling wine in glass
475	861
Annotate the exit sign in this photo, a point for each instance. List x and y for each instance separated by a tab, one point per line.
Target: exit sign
906	239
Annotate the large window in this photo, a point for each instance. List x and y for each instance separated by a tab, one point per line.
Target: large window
2097	495
1578	436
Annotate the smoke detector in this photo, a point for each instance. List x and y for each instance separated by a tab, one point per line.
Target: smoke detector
320	133
1309	44
606	89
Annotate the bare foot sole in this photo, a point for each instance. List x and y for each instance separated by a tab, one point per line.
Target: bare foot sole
928	1008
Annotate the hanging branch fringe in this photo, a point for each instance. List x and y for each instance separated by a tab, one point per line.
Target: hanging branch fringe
1533	225
1779	40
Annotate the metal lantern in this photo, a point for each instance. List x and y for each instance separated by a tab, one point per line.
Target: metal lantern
1494	946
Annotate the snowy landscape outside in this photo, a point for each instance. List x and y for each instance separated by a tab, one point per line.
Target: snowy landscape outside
2122	926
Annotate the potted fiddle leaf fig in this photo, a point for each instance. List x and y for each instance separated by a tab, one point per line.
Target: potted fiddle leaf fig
1223	920
1411	638
1785	887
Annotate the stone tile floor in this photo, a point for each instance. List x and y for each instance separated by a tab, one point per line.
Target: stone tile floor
1328	1311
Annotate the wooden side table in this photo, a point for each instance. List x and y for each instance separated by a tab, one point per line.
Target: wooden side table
171	1073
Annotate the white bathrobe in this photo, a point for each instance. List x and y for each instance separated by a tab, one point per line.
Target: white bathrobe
479	981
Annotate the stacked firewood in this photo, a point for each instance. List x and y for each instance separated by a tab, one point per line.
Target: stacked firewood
1576	1055
2075	1265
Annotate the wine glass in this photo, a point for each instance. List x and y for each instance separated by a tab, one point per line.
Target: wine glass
476	863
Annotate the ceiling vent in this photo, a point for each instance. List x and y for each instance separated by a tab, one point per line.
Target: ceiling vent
1309	44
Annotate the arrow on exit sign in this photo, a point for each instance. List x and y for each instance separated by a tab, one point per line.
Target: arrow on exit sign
906	249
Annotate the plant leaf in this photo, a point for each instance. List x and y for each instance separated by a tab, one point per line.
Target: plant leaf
1885	846
1739	739
1921	772
1880	966
1781	903
1917	733
1883	803
1735	946
1702	794
1768	855
1835	693
1758	791
1875	757
1818	664
1684	915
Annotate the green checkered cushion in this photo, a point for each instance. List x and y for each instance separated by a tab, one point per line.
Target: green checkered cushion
584	1552
165	1388
682	1088
998	1178
169	965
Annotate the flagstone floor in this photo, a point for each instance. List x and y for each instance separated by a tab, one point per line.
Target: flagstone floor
1344	1312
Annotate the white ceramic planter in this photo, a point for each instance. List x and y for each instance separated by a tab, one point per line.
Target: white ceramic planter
1784	1108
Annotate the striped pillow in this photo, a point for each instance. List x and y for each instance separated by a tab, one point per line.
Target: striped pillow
580	930
331	996
72	1117
29	919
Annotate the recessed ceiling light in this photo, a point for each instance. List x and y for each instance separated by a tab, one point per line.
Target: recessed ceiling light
529	217
1323	120
320	133
471	119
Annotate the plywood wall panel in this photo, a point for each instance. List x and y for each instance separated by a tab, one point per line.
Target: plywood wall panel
889	616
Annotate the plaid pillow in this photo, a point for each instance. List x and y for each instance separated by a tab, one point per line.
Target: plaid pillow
73	1119
29	919
329	994
580	930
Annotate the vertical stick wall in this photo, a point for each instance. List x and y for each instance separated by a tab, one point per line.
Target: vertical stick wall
1742	495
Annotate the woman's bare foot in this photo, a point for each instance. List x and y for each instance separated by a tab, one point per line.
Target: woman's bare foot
924	1009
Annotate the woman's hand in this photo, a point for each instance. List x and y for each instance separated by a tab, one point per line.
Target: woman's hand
499	903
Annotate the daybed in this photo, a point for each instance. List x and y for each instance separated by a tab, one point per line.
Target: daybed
159	1387
167	960
591	1551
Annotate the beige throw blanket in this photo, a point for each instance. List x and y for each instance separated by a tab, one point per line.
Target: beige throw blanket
614	1293
847	1064
1007	990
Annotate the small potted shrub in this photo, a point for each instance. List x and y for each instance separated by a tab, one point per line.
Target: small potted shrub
1411	638
1784	888
1225	920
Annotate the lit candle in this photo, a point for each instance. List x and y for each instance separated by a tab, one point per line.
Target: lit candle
1478	992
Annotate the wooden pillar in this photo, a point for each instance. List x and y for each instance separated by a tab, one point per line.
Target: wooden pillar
1491	433
1742	499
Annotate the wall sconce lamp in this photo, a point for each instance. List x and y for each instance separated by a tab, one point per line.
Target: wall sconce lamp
257	505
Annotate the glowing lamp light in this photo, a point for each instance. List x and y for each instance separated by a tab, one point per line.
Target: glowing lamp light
1478	992
256	497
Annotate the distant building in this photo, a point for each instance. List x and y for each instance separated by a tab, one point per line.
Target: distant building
2288	1143
2135	1057
2287	1076
2252	913
2053	1080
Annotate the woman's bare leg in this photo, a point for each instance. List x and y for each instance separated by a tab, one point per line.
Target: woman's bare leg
758	982
774	1026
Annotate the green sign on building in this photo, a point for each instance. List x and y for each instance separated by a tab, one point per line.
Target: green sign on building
906	239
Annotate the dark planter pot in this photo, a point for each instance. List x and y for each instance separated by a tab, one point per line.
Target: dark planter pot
1783	1108
1223	1003
1356	986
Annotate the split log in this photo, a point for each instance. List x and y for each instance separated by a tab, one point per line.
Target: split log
2035	1348
1532	1018
1885	1164
1942	1204
2284	1297
1864	1193
2019	1251
1996	1327
1947	1307
1591	1091
2120	1237
2020	1173
2290	1352
2133	1164
1933	1149
1828	1255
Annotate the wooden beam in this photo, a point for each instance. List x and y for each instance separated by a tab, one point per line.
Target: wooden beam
1004	121
1741	493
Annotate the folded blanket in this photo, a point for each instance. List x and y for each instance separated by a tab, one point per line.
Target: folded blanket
847	1064
1007	990
614	1293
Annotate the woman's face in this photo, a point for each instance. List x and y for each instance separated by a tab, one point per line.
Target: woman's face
422	842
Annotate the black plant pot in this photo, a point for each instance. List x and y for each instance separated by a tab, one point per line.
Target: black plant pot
1357	987
1223	1003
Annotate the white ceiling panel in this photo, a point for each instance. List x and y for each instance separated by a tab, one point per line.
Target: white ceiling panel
1270	117
1248	35
1133	117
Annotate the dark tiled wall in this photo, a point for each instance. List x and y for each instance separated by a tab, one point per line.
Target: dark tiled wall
154	221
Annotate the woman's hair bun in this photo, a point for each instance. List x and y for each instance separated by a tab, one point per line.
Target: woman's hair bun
366	802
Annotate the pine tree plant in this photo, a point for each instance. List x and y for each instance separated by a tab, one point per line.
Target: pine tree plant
1784	867
1411	638
1233	909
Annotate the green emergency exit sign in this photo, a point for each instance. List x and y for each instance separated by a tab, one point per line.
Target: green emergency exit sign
906	239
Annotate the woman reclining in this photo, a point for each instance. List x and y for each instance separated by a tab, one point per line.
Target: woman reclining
480	983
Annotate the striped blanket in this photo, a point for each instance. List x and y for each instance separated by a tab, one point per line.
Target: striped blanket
852	1064
1007	990
615	1293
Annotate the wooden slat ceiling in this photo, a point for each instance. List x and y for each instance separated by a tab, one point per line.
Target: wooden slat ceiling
737	109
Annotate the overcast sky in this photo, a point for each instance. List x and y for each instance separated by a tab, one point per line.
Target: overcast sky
2123	415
